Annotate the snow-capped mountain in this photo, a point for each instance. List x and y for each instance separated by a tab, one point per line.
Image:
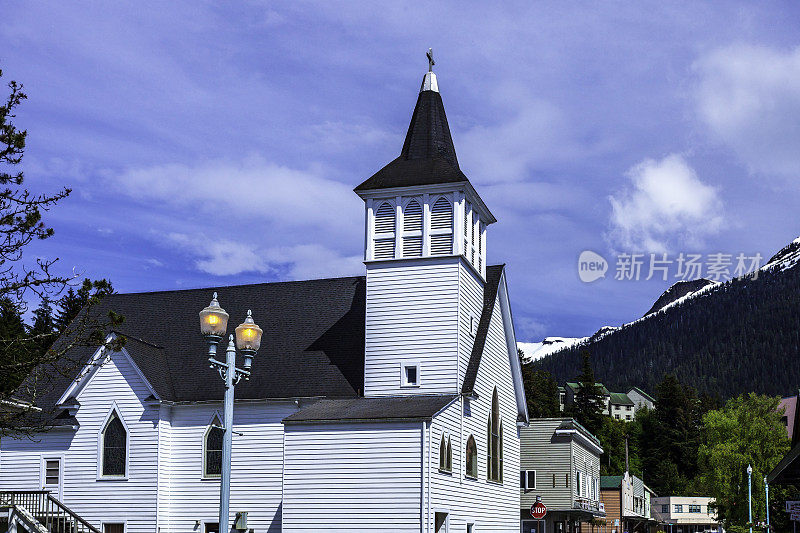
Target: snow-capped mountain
724	338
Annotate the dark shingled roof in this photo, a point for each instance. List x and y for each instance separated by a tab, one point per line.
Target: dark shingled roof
493	274
428	156
412	407
313	343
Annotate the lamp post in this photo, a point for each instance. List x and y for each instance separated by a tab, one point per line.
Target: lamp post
750	496
766	490
213	325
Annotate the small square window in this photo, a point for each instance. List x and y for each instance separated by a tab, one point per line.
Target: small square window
410	375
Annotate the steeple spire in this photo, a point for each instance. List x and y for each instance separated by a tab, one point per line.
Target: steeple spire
428	155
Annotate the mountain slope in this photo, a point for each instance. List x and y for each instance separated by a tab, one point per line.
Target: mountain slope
724	338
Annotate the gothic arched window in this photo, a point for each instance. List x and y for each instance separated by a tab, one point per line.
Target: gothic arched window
472	458
494	427
212	449
445	454
115	446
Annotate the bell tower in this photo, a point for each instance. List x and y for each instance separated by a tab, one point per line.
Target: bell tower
425	255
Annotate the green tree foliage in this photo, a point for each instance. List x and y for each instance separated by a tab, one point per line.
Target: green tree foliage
746	431
589	401
541	392
26	279
671	437
709	341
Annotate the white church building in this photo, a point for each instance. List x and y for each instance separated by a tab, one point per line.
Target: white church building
391	401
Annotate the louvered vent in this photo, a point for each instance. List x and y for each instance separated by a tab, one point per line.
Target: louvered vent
466	218
442	215
412	246
384	218
441	244
384	249
412	217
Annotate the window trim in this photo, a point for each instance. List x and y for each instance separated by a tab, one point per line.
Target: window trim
101	445
406	364
203	473
43	458
526	477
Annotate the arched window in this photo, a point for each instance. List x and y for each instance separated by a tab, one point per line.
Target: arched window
472	458
442	227
445	454
115	446
212	449
384	231
494	460
412	229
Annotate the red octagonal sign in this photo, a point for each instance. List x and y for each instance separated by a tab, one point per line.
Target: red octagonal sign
538	510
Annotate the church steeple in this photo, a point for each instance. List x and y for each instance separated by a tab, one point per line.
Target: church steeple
428	156
421	205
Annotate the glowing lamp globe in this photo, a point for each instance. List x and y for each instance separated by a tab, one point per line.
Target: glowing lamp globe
248	338
213	319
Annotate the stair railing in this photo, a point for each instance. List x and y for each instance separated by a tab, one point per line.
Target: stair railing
48	510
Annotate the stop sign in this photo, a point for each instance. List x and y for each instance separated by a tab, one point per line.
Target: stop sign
538	510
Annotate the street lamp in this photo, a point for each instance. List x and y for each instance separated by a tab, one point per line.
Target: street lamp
750	496
766	490
213	326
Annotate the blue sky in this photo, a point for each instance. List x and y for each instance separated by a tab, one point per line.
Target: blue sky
212	144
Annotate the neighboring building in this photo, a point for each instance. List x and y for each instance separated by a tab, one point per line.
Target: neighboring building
385	402
790	413
571	390
617	405
787	471
627	502
641	399
621	407
685	514
559	463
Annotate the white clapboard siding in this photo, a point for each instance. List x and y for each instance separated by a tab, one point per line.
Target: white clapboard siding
471	289
412	315
131	500
257	464
352	477
488	505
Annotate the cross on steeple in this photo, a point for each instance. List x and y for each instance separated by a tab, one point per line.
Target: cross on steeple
431	62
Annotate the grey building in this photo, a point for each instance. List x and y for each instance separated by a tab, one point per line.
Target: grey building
559	466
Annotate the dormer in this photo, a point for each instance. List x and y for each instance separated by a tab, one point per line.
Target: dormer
421	204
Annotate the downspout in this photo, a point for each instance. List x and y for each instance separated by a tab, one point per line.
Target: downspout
422	480
430	443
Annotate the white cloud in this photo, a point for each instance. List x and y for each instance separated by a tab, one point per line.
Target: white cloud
749	97
667	206
229	257
253	216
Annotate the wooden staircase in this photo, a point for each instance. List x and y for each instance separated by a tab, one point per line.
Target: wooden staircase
38	511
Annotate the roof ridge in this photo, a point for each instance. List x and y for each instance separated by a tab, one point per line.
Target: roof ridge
241	285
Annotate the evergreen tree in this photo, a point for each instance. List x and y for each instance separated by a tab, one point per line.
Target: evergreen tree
541	392
24	279
589	403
